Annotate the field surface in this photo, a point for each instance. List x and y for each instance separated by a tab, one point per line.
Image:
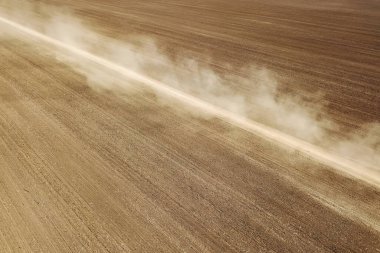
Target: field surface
97	171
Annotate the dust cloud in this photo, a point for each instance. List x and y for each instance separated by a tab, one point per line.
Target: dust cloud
263	102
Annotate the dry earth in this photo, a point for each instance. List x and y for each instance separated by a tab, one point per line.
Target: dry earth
88	171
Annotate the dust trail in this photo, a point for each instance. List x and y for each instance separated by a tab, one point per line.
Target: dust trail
251	92
266	132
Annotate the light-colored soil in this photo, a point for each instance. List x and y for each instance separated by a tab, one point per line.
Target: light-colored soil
88	171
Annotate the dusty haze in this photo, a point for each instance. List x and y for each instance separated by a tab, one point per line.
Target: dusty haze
266	104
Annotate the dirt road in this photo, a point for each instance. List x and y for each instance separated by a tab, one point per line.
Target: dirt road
89	171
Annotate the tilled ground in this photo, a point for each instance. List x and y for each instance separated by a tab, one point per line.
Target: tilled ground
90	171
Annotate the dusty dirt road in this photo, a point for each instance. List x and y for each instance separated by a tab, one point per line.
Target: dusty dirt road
87	171
330	47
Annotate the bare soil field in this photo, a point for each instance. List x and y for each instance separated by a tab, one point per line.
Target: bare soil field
102	171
